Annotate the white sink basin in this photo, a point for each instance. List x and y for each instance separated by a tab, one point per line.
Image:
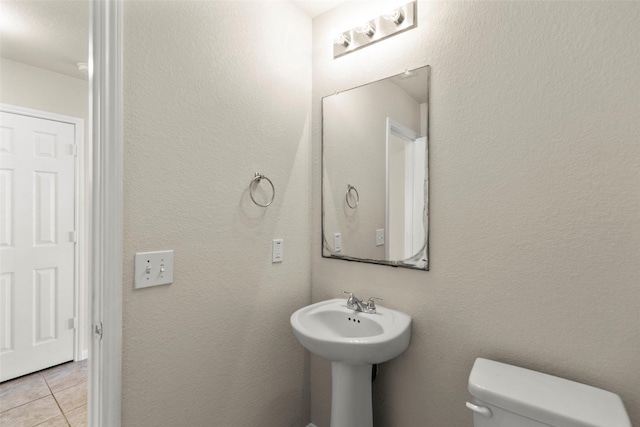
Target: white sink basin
352	341
335	332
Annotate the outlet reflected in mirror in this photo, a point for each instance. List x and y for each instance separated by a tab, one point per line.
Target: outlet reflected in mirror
375	177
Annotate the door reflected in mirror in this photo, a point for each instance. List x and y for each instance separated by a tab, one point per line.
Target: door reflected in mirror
375	177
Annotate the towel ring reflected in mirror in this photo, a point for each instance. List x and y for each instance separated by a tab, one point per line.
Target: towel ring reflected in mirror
389	121
256	180
351	190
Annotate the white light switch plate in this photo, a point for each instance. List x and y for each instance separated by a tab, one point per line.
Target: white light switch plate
153	269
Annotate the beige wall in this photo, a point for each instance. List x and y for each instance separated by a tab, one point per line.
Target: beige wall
214	92
535	201
40	89
535	204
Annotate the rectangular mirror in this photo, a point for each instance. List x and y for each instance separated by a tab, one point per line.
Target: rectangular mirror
375	172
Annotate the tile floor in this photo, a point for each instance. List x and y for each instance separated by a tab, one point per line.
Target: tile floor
54	397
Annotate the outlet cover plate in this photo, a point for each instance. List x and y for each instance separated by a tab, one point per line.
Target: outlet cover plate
277	250
337	243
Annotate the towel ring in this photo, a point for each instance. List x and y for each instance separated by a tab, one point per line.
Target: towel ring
357	198
256	179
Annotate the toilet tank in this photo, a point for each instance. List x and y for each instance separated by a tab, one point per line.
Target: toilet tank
518	397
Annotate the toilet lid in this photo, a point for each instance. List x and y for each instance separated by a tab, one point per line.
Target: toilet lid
545	398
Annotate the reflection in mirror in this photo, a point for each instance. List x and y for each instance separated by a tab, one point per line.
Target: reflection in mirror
375	178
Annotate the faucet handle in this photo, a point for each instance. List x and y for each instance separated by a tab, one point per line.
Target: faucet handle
371	304
353	302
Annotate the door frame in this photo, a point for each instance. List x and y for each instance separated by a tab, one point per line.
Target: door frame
105	81
408	136
80	248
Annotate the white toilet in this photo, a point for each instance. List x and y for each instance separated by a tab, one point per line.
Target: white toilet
509	396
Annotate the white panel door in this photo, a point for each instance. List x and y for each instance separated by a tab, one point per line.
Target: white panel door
37	249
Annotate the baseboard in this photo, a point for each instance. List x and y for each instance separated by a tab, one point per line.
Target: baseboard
84	355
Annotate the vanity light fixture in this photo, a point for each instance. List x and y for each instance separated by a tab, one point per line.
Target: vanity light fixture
386	25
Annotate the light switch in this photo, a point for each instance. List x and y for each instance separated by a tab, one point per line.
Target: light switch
153	269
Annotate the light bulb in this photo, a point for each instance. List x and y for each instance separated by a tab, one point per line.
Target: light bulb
342	40
368	29
396	16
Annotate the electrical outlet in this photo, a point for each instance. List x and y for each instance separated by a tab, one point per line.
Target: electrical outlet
337	243
380	237
153	269
277	250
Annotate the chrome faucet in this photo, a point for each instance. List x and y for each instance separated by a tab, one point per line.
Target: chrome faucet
353	302
356	304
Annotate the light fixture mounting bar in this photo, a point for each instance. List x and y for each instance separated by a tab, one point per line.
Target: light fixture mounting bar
386	25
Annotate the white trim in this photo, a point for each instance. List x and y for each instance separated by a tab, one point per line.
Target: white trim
409	175
81	246
105	76
39	114
80	280
406	134
414	195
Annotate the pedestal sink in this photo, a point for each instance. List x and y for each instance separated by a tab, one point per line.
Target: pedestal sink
353	341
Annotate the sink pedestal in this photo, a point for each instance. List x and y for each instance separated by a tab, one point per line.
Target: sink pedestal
351	395
353	342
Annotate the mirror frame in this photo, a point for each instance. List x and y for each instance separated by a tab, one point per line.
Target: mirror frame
326	249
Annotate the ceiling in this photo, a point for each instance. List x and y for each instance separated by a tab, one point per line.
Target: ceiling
50	34
314	8
53	34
